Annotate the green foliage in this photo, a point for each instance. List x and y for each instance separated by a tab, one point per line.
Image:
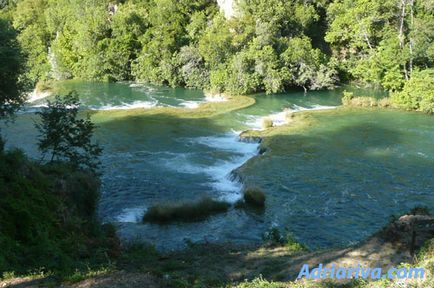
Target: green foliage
261	283
29	19
192	68
275	237
12	85
170	42
380	42
66	136
48	218
185	211
307	65
418	92
269	46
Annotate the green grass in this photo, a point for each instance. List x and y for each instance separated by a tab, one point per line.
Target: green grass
185	211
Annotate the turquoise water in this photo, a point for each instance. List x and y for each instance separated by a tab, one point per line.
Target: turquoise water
335	184
109	96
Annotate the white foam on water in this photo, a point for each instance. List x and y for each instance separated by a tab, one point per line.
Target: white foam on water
254	122
190	104
38	108
143	86
313	107
215	98
280	118
220	171
34	95
131	215
134	85
228	142
127	106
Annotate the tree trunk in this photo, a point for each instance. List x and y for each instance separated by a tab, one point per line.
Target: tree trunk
367	40
411	39
401	36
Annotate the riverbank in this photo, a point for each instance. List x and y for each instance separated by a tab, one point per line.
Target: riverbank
227	265
342	139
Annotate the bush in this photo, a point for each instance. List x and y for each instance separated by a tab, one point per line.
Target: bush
418	92
66	137
48	217
185	212
346	98
267	122
275	237
254	196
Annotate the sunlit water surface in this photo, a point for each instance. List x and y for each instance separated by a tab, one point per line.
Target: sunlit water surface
340	181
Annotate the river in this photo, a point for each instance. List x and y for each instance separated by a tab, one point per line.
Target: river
341	181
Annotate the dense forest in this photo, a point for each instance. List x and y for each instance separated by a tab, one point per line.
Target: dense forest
268	46
49	208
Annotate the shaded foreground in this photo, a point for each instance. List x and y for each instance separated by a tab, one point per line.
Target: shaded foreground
227	265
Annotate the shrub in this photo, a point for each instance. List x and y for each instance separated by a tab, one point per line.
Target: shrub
254	196
267	122
275	237
185	212
292	244
418	92
346	98
48	217
65	137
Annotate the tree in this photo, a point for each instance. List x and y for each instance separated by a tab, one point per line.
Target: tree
29	20
12	84
308	66
380	42
67	137
191	68
418	92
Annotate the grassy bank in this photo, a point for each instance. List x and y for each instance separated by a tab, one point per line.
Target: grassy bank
205	110
270	265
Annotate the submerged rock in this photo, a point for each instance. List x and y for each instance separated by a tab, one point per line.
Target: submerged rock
248	138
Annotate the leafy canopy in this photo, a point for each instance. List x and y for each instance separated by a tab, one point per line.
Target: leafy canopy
66	137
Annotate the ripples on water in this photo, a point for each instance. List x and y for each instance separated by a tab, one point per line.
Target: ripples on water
337	183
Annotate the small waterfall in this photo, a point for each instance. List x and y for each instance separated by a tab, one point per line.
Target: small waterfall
55	72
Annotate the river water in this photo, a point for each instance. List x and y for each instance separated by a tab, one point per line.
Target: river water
337	182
